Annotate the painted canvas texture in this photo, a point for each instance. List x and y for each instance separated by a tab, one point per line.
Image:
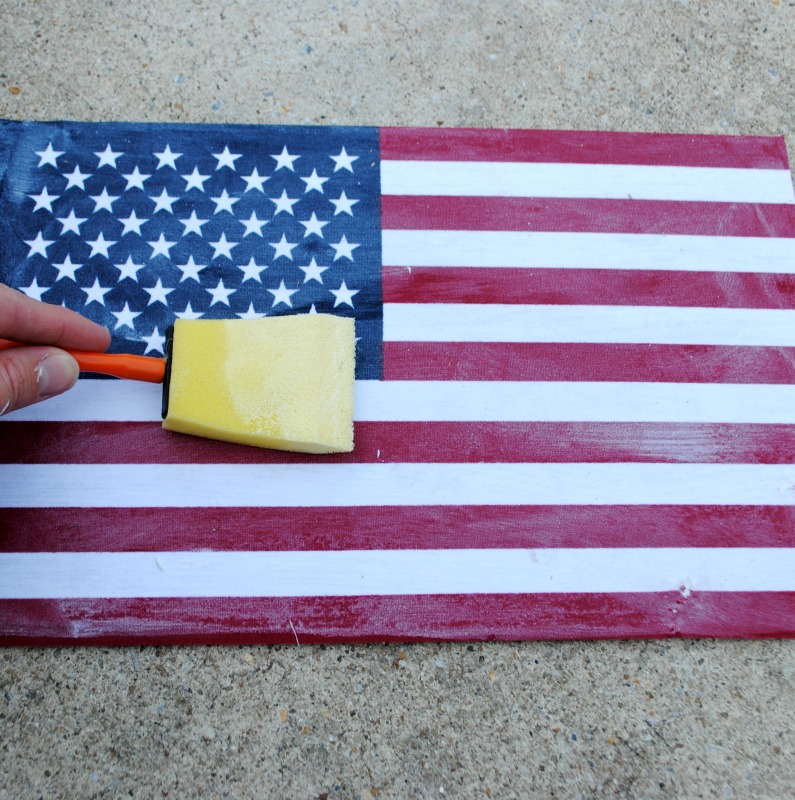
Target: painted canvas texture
574	412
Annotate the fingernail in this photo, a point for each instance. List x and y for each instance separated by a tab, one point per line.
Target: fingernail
56	374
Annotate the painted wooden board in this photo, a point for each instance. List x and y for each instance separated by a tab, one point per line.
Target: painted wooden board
575	399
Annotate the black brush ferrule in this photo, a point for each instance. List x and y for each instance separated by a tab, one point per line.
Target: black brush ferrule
169	349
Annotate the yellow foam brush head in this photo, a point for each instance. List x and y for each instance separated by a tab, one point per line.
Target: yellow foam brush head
279	382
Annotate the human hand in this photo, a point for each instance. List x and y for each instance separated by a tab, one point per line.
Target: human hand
31	374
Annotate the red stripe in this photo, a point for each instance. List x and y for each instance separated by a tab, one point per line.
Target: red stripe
147	442
393	527
415	442
422	618
583	215
503	361
587	287
583	147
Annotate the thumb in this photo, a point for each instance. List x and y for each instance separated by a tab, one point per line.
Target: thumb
30	374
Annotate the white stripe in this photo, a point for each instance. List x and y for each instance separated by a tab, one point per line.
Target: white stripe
437	322
393	572
564	401
93	400
587	251
612	181
473	401
338	485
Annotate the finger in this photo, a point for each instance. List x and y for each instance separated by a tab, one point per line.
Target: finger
27	320
31	374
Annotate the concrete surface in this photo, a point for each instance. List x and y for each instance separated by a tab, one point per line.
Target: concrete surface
617	719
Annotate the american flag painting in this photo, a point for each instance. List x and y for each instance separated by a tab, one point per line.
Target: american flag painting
575	399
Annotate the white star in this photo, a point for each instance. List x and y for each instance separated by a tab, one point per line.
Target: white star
253	225
160	247
96	294
71	223
126	317
193	224
103	201
39	245
135	179
43	200
223	247
34	290
191	270
163	202
313	272
254	181
155	342
284	203
344	161
312	309
283	248
129	269
223	203
132	224
251	271
76	178
282	295
66	269
226	159
220	294
314	182
157	293
344	295
285	160
344	248
195	180
189	313
167	158
343	205
107	156
313	225
48	155
100	245
250	314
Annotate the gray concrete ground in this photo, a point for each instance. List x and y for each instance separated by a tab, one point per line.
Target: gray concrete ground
710	719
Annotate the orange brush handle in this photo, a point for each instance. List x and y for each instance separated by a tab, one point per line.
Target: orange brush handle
120	365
